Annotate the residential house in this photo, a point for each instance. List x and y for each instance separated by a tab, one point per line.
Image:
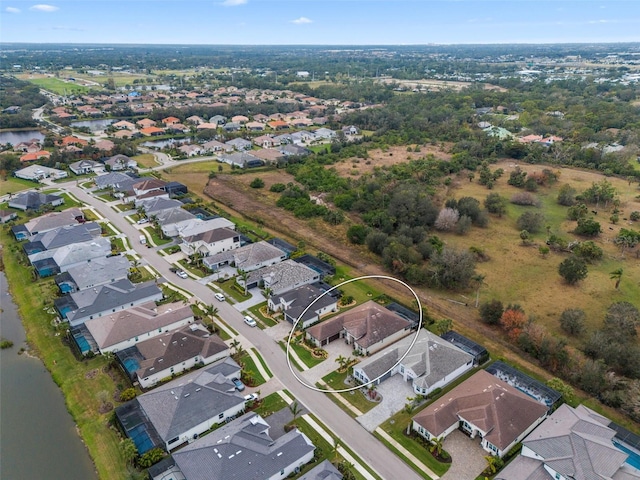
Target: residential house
33	156
255	126
47	222
211	242
195	119
430	363
177	128
30	146
123	134
190	150
207	126
145	123
294	303
293	150
268	155
302	137
170	121
197	225
286	247
123	125
231	127
218	120
242	449
103	270
175	189
482	406
278	124
241	119
573	443
368	327
7	216
265	141
120	162
171	221
59	237
241	160
172	353
350	130
91	303
179	411
105	145
282	277
39	172
113	179
324	134
35	200
71	140
152	206
239	144
122	329
214	146
149	184
248	258
54	261
152	131
84	167
477	351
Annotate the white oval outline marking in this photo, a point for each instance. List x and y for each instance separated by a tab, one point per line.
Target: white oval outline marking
344	390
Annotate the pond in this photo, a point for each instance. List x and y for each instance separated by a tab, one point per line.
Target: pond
16	136
160	144
93	125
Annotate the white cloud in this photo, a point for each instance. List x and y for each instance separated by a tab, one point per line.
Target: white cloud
233	3
41	7
12	10
301	20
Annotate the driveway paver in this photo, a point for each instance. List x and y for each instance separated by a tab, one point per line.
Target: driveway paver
467	456
394	393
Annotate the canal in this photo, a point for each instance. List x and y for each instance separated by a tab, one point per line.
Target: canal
38	437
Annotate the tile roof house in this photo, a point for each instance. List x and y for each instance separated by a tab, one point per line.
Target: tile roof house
113	179
7	216
242	449
84	305
120	162
146	185
282	277
181	410
265	141
572	443
123	124
123	329
35	200
368	327
239	144
294	302
83	167
211	242
482	406
33	156
145	123
431	363
152	131
268	155
103	270
172	353
241	160
38	172
197	225
248	258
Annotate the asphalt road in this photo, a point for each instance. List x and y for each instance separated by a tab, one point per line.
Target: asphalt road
351	433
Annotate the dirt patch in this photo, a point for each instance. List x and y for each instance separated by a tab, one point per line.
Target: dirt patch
436	85
378	158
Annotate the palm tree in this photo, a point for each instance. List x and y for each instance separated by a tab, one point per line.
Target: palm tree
479	281
342	361
235	344
334	449
244	276
295	410
436	446
493	463
617	276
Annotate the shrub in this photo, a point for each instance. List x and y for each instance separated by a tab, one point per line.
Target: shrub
447	219
572	321
257	183
588	251
377	242
463	225
495	203
278	187
587	227
491	311
567	195
573	269
128	394
517	178
525	198
635	216
577	212
4	343
532	222
357	234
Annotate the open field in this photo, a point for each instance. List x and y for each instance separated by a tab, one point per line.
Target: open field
53	84
146	160
15	185
435	85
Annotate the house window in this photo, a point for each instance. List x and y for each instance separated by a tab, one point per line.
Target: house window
558	476
221	416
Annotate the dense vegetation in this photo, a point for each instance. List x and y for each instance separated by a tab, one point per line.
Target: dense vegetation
16	93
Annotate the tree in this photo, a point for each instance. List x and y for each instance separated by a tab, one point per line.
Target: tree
572	321
478	279
151	457
442	326
576	212
491	311
532	222
128	450
573	269
622	320
377	242
436	446
244	276
452	269
562	388
342	362
447	219
357	234
525	237
295	410
617	276
587	227
493	463
496	204
567	195
513	320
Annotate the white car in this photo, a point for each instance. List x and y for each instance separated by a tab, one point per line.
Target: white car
250	321
182	274
143	220
219	297
252	397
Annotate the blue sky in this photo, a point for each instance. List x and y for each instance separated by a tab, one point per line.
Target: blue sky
337	22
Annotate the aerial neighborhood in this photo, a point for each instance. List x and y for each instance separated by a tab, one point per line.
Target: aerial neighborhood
255	278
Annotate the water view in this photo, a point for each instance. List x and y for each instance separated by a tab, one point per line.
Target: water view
38	436
159	144
16	136
93	125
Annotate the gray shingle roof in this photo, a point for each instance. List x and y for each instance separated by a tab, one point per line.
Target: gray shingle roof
300	298
284	276
324	471
76	253
59	237
47	222
103	270
242	450
249	256
178	406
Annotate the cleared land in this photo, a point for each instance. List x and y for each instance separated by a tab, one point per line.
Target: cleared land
54	85
435	85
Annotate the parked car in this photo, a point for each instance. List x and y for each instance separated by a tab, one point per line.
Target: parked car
219	296
182	274
252	397
238	383
143	220
250	321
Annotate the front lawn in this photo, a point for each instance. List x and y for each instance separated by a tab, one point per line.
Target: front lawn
305	355
249	369
361	291
256	310
156	236
270	404
335	381
231	290
14	185
283	345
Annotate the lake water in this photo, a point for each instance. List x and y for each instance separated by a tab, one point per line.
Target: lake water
94	125
165	143
15	137
38	436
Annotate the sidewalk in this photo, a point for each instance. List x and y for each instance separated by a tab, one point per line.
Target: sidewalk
337	396
409	456
258	361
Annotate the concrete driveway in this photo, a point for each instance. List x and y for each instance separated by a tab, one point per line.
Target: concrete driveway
394	393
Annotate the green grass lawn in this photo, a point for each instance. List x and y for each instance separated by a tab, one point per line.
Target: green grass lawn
122	207
335	380
262	362
283	345
305	355
145	160
155	236
58	86
360	290
271	404
15	185
229	290
269	322
250	366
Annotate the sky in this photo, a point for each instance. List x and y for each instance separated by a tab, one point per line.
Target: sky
320	22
